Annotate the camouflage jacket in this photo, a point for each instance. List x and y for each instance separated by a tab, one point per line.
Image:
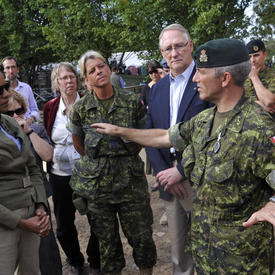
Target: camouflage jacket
267	77
230	185
111	168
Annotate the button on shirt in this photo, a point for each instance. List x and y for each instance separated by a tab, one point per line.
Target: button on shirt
65	155
177	88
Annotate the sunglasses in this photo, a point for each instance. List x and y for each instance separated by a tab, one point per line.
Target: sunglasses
19	111
153	71
4	87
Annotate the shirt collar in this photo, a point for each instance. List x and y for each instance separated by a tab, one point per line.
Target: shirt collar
186	74
62	104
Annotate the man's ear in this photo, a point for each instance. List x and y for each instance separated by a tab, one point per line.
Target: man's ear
226	78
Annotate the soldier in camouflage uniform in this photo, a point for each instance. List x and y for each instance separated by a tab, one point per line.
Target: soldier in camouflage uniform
229	153
109	179
260	84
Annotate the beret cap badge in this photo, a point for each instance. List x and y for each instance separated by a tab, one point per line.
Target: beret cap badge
203	56
255	48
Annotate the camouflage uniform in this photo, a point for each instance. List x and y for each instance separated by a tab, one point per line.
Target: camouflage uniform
267	77
110	177
230	185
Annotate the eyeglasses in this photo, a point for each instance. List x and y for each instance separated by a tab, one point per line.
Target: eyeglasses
67	77
19	111
153	71
178	47
4	87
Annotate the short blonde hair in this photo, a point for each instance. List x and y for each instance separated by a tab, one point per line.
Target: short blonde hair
56	71
88	55
15	96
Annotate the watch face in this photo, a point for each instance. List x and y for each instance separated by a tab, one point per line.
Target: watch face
272	199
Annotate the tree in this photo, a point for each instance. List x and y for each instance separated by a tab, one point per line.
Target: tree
21	36
263	19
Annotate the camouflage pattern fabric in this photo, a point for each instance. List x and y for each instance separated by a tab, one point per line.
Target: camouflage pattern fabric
267	77
230	185
110	177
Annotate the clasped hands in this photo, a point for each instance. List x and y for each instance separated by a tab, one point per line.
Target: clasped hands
39	224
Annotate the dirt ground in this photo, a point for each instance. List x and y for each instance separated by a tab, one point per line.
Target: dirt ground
160	235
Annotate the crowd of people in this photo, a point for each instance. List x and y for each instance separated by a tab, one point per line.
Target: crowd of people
207	123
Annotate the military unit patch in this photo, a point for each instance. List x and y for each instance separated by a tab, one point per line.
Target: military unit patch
272	139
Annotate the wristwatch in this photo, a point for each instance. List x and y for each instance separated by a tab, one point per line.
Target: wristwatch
272	199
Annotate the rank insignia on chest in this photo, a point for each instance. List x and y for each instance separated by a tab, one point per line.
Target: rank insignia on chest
203	56
273	139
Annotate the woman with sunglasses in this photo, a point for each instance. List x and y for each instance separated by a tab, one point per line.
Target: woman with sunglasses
155	72
23	219
49	257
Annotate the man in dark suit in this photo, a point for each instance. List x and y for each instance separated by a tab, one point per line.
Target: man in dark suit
174	99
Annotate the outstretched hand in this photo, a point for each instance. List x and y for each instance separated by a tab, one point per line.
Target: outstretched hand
106	128
266	214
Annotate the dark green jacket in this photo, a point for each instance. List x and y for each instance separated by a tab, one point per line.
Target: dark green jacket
14	167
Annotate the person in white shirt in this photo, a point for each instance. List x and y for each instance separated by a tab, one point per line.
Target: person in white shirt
11	70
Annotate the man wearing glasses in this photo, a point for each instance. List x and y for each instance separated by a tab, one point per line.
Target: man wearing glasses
11	70
174	99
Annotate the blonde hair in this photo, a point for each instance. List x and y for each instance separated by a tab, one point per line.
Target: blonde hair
88	55
15	96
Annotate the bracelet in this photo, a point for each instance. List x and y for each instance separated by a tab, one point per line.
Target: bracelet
272	199
31	131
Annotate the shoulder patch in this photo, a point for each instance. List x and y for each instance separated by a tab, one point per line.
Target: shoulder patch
273	139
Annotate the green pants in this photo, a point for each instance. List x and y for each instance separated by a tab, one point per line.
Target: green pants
136	220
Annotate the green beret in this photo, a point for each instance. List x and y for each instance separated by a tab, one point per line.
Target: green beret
220	53
255	46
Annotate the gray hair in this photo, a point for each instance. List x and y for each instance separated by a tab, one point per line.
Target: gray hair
174	27
239	72
88	55
56	71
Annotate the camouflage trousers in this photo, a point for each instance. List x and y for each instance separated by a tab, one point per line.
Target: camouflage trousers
136	220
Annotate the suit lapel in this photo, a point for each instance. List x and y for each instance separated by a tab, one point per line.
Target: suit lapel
189	93
165	103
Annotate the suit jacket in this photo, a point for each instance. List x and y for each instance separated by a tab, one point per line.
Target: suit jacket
158	116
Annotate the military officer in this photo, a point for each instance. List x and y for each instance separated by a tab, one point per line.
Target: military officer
260	84
229	153
109	181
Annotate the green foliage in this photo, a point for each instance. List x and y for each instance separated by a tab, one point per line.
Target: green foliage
264	19
21	35
42	31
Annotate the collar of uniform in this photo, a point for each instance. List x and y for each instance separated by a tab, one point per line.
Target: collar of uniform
9	125
117	99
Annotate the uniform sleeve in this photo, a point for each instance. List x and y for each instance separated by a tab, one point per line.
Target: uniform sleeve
180	134
74	125
264	164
